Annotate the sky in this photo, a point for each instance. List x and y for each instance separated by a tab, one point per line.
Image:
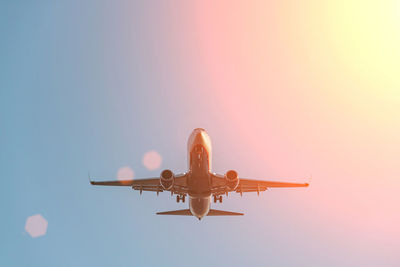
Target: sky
289	91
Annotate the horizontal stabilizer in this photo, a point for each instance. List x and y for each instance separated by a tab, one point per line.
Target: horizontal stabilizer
176	212
223	213
210	213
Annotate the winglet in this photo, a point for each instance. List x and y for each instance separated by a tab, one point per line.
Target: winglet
309	181
90	180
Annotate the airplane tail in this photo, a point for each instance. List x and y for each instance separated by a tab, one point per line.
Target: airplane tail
210	213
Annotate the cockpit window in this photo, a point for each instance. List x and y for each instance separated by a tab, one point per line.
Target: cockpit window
198	149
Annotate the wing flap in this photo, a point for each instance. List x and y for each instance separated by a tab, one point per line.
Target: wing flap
249	185
151	184
148	188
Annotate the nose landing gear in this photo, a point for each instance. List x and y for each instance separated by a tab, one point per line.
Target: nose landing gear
180	197
217	198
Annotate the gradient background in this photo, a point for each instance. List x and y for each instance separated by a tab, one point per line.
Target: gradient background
284	89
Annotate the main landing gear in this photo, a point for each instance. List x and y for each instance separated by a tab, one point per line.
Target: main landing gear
180	197
217	198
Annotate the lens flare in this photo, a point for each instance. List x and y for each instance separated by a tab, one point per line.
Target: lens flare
36	225
125	173
152	160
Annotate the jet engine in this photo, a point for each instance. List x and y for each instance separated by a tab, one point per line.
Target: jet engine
232	179
167	179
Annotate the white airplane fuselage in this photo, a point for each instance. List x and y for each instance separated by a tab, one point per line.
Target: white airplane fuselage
199	178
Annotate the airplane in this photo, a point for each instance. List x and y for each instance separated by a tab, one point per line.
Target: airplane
199	182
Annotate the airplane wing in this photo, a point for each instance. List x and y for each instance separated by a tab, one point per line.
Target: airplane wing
149	184
249	185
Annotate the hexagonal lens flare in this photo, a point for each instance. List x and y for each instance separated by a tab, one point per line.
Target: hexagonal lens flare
36	225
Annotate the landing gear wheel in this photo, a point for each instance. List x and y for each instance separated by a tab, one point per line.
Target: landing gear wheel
220	199
215	199
180	197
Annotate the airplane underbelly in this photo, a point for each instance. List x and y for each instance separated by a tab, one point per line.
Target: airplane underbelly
199	206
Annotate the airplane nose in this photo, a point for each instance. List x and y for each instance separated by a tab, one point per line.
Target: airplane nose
199	136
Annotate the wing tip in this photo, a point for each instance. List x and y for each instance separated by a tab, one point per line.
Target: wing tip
90	180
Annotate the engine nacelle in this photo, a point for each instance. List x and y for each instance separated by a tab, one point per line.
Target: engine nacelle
232	179
167	179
